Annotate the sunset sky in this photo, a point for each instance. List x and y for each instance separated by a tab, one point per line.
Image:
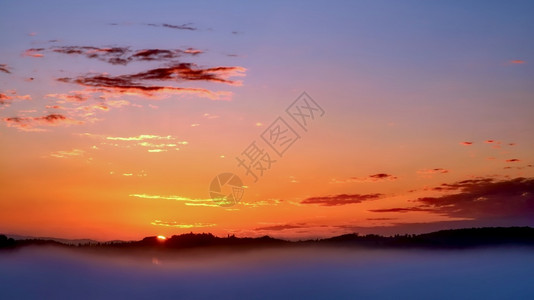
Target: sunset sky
115	116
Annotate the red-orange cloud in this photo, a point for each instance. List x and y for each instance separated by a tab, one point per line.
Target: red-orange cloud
371	178
33	52
30	123
341	199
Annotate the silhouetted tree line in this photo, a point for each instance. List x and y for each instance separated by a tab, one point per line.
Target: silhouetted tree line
6	242
455	238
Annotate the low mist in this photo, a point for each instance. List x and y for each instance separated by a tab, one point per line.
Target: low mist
51	272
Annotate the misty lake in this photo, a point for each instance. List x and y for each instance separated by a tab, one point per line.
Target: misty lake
311	273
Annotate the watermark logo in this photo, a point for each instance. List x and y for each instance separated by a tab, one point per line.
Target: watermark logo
226	189
256	159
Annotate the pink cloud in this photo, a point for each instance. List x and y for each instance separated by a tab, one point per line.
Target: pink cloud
30	123
33	52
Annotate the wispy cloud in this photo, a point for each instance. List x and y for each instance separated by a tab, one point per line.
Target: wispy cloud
186	26
341	199
181	225
480	199
4	68
260	203
461	185
137	84
33	52
32	123
430	172
401	209
125	55
67	154
5	99
10	95
76	96
187	201
141	137
371	178
280	227
155	143
141	83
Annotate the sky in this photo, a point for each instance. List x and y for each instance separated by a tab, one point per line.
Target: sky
363	116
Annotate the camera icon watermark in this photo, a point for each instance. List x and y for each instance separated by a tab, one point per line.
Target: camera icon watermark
226	189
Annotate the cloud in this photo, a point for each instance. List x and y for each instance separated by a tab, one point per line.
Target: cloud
156	148
518	167
432	171
371	178
124	55
481	199
72	97
4	68
186	26
380	176
461	185
155	143
466	143
187	201
518	61
67	154
268	202
341	199
118	103
102	86
33	52
83	104
30	123
142	83
10	95
5	99
187	72
210	116
181	225
279	227
136	84
112	55
142	137
401	209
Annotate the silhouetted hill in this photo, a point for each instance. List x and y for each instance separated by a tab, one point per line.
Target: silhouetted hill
6	242
191	240
456	238
60	240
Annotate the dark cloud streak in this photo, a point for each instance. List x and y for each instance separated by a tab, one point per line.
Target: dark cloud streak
186	26
480	199
124	55
4	68
341	199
